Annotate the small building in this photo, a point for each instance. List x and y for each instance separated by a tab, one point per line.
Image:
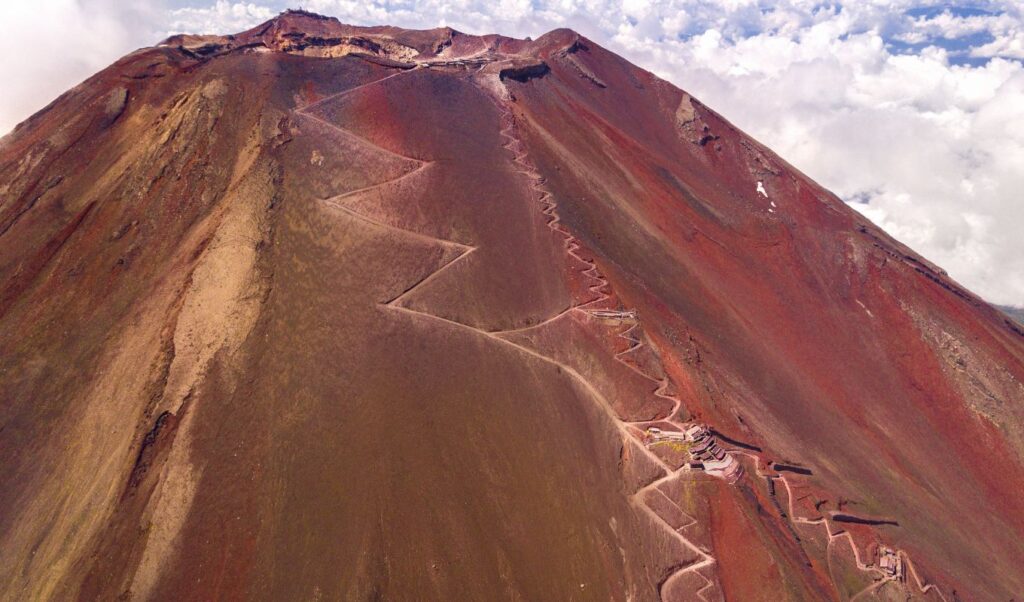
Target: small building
727	468
614	314
704	449
656	434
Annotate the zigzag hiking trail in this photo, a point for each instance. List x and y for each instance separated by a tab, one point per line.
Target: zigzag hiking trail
324	312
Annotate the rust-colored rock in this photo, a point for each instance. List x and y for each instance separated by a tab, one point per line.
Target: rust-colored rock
324	312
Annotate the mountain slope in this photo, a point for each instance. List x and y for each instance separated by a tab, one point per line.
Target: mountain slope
325	312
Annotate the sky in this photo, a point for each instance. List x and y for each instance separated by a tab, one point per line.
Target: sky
911	111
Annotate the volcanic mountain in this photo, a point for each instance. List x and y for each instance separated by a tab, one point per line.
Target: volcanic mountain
323	312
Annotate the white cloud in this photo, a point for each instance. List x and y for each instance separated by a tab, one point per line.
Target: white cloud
929	143
934	148
221	17
947	25
50	45
1009	44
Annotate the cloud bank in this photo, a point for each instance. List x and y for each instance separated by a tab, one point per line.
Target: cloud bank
911	111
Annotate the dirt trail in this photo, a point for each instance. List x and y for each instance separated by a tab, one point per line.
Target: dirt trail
823	522
598	288
355	89
662	383
601	290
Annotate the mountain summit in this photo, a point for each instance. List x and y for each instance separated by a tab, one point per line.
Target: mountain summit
324	312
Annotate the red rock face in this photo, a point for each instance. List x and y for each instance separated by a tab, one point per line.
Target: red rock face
325	312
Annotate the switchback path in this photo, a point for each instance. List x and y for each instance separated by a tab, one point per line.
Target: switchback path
549	209
823	522
599	288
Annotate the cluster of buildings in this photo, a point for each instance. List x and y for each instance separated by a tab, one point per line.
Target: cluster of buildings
705	452
890	562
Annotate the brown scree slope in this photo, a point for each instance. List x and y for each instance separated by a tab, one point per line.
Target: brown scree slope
308	313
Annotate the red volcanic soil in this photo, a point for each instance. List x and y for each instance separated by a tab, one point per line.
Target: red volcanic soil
321	312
